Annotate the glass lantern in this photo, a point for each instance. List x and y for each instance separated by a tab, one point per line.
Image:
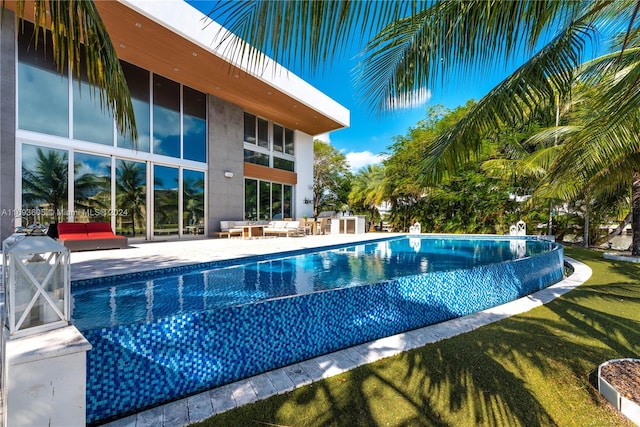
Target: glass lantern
37	284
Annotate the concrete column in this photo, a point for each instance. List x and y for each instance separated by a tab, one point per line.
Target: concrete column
44	377
304	169
7	124
225	154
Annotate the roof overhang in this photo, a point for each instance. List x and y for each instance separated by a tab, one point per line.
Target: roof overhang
175	40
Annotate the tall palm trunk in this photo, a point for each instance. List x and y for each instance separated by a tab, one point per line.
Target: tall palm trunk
635	214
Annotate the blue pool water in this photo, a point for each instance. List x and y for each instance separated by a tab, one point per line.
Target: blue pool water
161	335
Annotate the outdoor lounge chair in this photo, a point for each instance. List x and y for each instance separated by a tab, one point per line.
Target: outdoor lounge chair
287	228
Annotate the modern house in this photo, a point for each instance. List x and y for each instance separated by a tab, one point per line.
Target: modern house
217	140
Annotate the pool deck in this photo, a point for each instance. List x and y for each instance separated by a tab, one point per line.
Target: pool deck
147	256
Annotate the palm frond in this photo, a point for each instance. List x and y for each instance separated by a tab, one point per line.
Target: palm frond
308	32
447	39
549	72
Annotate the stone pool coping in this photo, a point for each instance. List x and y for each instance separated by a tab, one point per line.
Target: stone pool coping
204	405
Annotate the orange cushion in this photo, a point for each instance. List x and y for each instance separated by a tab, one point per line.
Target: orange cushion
73	236
100	234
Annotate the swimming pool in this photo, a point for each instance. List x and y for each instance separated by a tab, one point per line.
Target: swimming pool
161	335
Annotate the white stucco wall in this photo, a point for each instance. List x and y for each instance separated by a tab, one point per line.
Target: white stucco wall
304	169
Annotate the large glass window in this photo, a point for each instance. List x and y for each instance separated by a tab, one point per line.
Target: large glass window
256	130
264	208
193	202
287	201
283	164
92	188
250	199
276	201
288	141
44	185
255	157
194	138
278	138
249	128
166	117
165	200
267	200
90	121
263	133
138	83
131	192
43	92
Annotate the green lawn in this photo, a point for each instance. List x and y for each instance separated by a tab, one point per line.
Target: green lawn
534	369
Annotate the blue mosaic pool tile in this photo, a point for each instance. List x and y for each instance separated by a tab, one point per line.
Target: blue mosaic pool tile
135	366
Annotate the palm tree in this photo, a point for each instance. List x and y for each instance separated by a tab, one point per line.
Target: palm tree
47	181
193	200
76	27
368	190
91	191
131	190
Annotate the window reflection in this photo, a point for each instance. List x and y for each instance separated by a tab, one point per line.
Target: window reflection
287	201
166	117
250	199
249	128
278	138
44	185
138	83
276	201
92	188
288	141
255	157
193	201
194	124
283	164
264	210
131	190
165	200
267	200
90	121
38	80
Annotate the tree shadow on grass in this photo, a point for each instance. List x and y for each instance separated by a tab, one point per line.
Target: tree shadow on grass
534	369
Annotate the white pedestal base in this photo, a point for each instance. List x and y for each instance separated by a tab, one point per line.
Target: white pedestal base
44	378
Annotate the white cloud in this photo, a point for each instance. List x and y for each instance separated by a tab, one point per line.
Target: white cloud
416	98
358	160
324	137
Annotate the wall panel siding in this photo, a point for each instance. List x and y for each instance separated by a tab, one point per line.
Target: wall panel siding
269	174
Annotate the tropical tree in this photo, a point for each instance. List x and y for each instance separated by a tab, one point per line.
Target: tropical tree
131	191
368	191
331	178
47	181
77	32
416	45
193	200
91	192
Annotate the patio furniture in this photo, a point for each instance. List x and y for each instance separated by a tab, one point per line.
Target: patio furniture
227	229
87	236
288	228
250	230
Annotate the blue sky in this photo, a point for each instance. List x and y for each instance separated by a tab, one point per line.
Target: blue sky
370	134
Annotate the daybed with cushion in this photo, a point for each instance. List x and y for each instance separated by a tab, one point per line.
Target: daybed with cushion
87	236
226	229
288	228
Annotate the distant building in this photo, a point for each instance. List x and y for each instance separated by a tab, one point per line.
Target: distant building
216	141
